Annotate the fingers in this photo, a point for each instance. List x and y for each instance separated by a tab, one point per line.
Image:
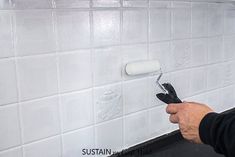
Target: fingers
172	108
174	118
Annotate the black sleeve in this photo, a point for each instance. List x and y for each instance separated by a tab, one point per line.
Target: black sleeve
218	130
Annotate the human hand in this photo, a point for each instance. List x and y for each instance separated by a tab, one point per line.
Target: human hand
188	115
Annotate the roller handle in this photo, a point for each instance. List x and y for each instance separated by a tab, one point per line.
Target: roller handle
170	97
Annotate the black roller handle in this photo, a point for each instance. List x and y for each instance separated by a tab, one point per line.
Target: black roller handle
170	97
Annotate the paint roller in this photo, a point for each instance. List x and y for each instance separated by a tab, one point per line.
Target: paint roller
153	67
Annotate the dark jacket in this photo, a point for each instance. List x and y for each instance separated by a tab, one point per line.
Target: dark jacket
218	130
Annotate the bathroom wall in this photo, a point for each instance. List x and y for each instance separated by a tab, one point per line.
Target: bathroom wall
62	81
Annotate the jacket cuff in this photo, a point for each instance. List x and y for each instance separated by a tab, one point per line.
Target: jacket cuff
205	127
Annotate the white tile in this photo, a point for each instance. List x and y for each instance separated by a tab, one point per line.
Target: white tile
161	51
77	110
215	100
135	3
135	95
8	90
23	4
181	83
107	65
136	128
106	27
199	20
134	26
199	52
9	126
37	77
229	22
131	54
198	80
108	102
34	32
215	19
181	21
200	98
6	39
76	141
155	89
40	119
181	54
5	4
160	24
228	94
228	73
159	4
159	123
229	47
215	49
73	29
105	138
106	3
75	70
214	76
15	152
46	148
72	3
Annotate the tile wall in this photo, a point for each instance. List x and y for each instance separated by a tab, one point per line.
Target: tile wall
62	81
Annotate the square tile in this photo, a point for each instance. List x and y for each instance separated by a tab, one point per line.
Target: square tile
198	82
6	38
77	110
215	19
181	54
214	76
31	4
108	102
135	26
40	119
160	4
181	20
72	3
159	123
15	152
228	73
75	70
105	138
136	128
9	126
181	83
107	65
229	47
228	94
37	77
46	148
214	99
200	98
5	4
229	21
34	32
106	3
8	90
160	24
215	49
161	52
199	20
135	95
135	3
199	52
73	29
106	27
76	141
133	53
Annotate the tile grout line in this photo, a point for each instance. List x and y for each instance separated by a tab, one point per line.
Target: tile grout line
59	105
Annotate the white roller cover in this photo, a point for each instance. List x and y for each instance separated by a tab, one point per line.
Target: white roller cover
142	67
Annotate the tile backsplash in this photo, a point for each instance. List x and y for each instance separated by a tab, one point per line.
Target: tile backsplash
63	87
